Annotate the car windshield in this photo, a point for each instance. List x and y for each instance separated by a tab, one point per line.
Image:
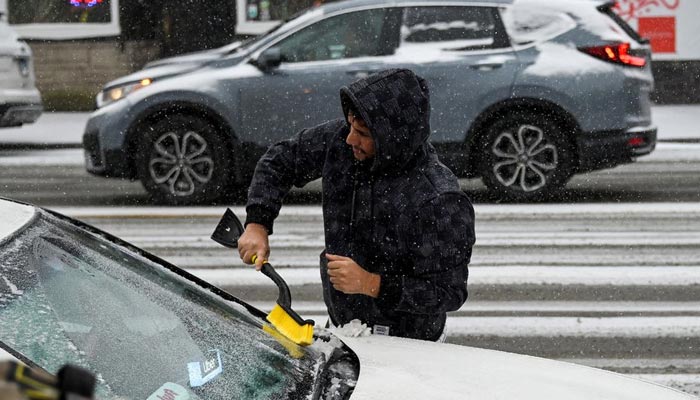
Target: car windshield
76	297
290	23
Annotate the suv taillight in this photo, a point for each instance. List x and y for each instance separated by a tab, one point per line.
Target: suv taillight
616	53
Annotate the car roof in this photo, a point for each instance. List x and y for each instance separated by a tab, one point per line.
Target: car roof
565	4
14	217
345	4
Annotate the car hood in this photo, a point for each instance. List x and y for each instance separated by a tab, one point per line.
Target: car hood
15	216
395	368
199	57
156	73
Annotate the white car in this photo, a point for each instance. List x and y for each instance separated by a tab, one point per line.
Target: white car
20	101
70	293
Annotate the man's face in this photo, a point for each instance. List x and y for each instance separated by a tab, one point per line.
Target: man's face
359	138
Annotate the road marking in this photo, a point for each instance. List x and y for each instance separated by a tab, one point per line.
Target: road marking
502	275
490	211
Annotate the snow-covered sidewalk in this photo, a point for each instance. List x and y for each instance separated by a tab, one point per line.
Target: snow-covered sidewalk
675	122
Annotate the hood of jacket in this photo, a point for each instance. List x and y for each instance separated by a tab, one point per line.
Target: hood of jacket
395	105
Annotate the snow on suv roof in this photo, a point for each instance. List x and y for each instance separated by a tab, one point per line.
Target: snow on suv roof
341	5
13	216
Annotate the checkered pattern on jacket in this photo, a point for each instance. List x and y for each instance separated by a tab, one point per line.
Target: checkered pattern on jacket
409	222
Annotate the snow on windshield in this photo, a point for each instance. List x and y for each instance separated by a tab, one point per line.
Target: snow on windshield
137	324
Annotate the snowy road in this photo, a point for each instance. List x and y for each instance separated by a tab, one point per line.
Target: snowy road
58	177
586	283
675	122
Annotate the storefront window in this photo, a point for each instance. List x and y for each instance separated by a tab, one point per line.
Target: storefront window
63	19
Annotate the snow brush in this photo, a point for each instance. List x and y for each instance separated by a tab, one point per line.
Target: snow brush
282	317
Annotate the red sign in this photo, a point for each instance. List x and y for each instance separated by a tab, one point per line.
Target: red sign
661	31
632	9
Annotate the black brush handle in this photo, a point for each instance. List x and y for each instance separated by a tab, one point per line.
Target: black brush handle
284	298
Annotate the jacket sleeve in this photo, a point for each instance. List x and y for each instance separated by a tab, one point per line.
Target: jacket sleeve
440	244
292	162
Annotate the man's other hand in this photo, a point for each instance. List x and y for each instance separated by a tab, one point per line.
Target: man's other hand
254	241
350	278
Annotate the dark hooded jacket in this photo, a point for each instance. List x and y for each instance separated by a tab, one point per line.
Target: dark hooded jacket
400	214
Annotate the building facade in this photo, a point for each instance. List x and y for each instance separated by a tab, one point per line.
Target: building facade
79	45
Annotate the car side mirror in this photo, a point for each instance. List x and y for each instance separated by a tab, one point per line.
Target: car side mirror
270	58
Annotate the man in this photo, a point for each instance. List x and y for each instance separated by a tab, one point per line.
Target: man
398	229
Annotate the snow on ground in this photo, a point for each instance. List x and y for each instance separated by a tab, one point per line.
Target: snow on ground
640	327
501	275
675	122
506	211
51	128
540	307
666	152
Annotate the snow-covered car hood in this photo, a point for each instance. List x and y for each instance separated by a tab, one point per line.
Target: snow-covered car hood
395	368
172	66
199	57
156	73
15	216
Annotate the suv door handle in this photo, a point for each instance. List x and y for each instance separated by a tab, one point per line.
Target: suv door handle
487	66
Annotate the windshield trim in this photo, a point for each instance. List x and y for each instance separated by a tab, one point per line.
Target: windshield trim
312	379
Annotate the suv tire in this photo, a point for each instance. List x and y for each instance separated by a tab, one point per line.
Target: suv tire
525	157
182	159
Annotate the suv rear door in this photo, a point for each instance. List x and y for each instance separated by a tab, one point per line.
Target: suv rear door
464	53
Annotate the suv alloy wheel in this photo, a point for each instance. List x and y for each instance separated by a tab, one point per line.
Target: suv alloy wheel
525	157
183	160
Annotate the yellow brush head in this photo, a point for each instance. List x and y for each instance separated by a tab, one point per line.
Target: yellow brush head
302	335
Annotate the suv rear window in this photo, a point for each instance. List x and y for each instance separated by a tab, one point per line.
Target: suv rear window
526	24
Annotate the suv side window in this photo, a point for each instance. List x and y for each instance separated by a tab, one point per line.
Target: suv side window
451	28
354	34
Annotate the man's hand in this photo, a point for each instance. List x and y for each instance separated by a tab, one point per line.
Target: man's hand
254	241
350	278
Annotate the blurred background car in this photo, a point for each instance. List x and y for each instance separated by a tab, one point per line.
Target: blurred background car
20	101
70	293
524	95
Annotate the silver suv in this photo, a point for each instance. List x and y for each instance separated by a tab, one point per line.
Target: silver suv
524	94
20	101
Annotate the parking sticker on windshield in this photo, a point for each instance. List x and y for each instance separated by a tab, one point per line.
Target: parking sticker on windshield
203	371
170	391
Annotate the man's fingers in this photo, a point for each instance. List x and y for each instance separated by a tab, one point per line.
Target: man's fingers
259	262
335	257
335	265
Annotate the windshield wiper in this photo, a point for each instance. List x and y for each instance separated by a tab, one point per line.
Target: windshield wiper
338	376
